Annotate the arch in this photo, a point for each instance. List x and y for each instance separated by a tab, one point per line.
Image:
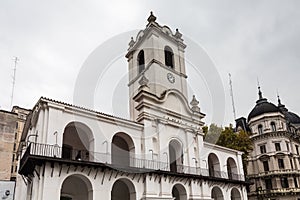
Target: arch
175	156
141	61
260	129
179	192
78	142
214	165
235	194
76	187
216	193
122	150
169	57
123	189
232	169
273	126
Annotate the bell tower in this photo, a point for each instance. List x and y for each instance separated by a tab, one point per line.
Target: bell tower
156	62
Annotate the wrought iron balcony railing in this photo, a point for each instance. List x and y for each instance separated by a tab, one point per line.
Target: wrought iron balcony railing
119	161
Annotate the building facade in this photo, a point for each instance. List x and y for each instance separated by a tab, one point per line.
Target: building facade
274	163
8	123
21	118
73	153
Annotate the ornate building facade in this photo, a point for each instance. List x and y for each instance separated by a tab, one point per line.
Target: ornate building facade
75	153
274	163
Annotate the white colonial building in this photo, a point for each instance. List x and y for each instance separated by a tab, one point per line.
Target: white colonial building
73	153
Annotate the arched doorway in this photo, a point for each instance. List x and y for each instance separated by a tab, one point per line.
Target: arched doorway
78	142
122	150
175	156
123	189
76	187
216	194
179	192
232	169
235	194
214	165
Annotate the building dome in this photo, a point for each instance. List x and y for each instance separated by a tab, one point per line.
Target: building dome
262	106
292	117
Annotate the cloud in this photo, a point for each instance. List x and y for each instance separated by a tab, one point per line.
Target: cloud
249	39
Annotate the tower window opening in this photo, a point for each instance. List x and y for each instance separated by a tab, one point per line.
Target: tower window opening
260	129
169	57
141	61
277	146
280	163
273	126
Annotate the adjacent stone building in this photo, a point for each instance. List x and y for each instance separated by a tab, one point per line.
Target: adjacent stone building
21	118
8	126
274	164
73	153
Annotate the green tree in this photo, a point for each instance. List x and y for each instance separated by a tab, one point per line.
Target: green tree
229	138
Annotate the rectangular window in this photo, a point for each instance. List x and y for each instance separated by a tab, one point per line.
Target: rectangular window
280	164
266	166
16	136
291	162
16	124
263	149
295	182
287	146
277	146
13	157
15	146
297	149
16	168
268	183
12	169
284	182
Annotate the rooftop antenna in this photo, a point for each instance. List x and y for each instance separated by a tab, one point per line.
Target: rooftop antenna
15	59
232	99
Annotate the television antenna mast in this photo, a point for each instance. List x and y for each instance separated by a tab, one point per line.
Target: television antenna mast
231	94
15	59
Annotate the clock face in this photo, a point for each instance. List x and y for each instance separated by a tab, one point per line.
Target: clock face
171	78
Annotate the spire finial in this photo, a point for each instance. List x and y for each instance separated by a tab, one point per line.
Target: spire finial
259	91
278	98
151	18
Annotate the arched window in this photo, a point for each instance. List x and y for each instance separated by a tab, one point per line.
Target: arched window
76	187
235	194
214	166
232	169
216	193
260	129
175	156
77	142
179	192
169	57
273	126
141	61
123	189
122	150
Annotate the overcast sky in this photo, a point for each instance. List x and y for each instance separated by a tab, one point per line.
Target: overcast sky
249	39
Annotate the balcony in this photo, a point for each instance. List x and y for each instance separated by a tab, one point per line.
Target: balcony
275	173
36	153
276	192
